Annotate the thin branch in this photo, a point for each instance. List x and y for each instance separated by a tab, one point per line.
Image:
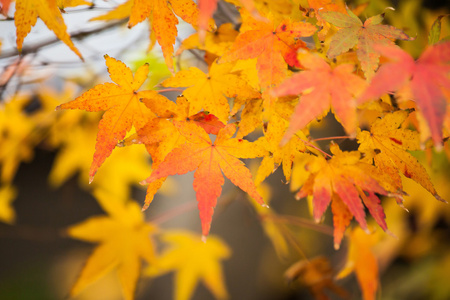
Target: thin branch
301	222
178	210
225	10
77	36
194	52
313	146
331	138
290	237
170	90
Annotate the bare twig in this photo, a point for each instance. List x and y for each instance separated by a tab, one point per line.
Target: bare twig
77	36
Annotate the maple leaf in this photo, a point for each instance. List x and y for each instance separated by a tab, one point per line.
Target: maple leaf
387	143
193	261
163	17
274	46
363	35
126	167
121	100
283	155
7	195
124	240
323	6
216	42
326	87
426	79
428	212
362	261
161	136
210	160
317	275
26	15
163	131
17	136
344	180
210	91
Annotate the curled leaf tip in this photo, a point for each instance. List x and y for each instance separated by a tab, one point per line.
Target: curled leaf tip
204	238
265	205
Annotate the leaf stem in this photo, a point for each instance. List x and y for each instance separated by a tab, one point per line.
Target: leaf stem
170	90
331	138
313	146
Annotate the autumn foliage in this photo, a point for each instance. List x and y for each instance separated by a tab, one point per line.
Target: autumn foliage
266	86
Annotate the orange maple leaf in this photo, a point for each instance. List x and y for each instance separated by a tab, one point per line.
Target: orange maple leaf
344	180
427	79
274	46
161	136
26	15
337	87
163	17
122	104
210	159
362	260
364	35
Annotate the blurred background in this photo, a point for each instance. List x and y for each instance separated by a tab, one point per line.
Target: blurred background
45	157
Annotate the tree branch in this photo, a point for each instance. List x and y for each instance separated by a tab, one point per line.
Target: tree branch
76	36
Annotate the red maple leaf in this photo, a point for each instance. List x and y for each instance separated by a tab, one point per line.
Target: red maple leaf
427	80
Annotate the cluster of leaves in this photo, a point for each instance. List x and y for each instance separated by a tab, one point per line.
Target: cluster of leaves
264	86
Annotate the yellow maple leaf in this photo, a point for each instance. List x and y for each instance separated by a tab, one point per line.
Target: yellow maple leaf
193	261
7	195
16	136
210	91
127	166
26	15
283	155
387	143
124	239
